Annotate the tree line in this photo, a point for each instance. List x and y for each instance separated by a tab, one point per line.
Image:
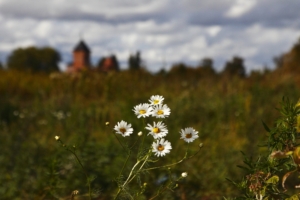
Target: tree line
47	59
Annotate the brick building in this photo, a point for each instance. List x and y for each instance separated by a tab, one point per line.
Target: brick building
81	58
109	63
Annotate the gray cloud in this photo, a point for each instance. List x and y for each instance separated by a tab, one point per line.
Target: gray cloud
93	10
203	13
165	31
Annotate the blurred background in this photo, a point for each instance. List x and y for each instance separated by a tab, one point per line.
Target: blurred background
68	68
165	32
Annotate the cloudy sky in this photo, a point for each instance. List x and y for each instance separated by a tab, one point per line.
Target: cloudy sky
165	31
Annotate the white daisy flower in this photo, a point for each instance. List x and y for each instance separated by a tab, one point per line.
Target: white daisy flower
123	128
143	110
161	147
156	99
189	134
161	111
158	130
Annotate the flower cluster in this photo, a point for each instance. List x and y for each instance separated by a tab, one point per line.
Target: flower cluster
156	108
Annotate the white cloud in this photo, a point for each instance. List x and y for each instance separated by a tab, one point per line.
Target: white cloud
240	7
214	30
164	31
43	28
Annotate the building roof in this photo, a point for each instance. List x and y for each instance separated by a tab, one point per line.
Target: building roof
109	63
81	46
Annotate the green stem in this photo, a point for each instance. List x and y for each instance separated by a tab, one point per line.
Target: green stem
134	143
131	176
122	187
184	158
119	141
87	178
81	165
142	144
144	135
131	172
125	163
146	159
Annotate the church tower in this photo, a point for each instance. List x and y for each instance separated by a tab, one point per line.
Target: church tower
81	57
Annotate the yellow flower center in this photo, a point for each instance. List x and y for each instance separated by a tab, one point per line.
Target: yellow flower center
156	102
156	130
123	130
188	135
160	147
160	112
142	111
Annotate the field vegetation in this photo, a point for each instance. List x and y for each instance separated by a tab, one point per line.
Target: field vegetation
227	109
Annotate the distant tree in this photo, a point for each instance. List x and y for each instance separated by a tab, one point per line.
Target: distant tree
206	65
135	61
34	59
162	71
179	68
235	67
207	62
115	61
296	49
1	66
291	60
279	61
100	62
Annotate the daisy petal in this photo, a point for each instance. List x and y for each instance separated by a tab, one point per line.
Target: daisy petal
189	134
161	147
123	128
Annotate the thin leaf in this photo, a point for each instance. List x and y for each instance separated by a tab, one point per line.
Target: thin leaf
285	177
266	127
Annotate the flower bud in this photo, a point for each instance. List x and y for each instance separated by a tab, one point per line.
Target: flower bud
75	192
107	123
184	174
56	138
200	145
140	133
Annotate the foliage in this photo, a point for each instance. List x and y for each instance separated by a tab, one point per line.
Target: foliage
135	61
288	62
34	59
146	153
207	66
235	67
204	70
36	107
278	162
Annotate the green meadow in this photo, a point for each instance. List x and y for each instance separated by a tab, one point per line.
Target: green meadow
228	112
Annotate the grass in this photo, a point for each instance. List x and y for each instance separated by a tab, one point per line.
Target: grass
228	114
